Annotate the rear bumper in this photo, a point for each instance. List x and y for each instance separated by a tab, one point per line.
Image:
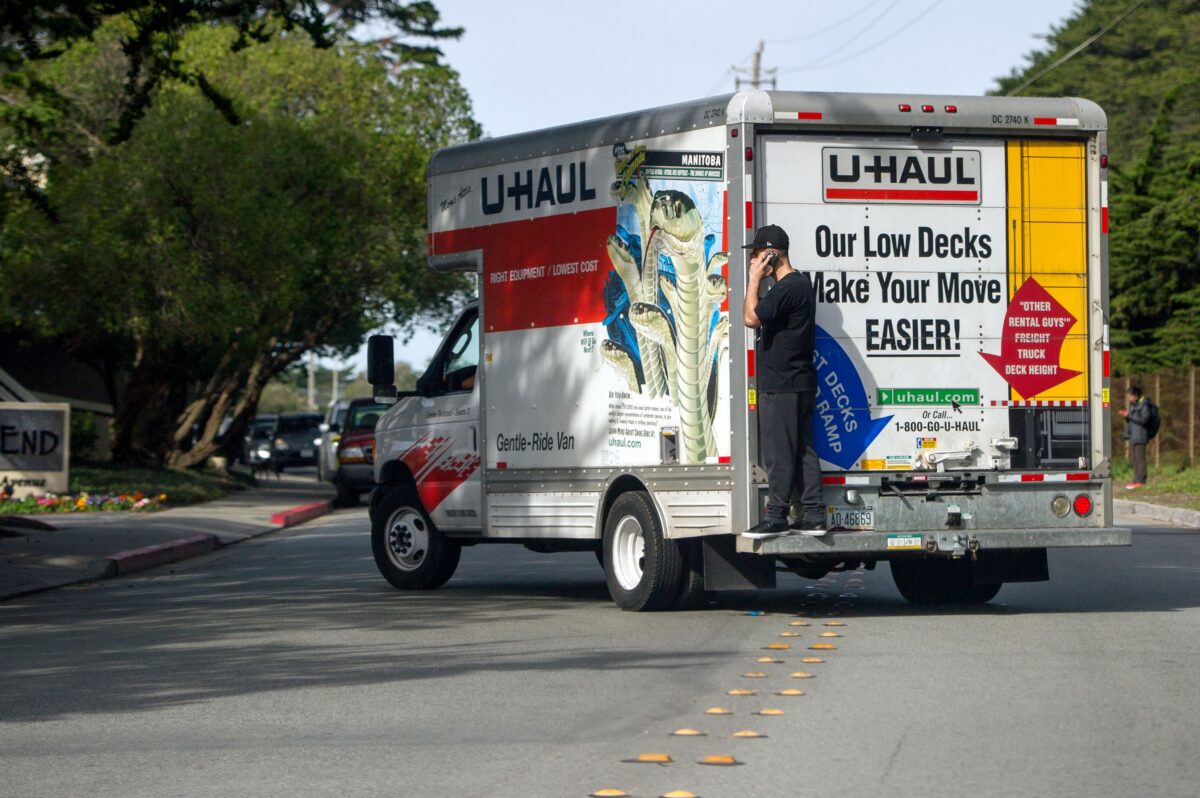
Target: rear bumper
876	543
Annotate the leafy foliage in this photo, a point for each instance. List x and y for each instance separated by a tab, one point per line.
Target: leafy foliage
1143	73
205	257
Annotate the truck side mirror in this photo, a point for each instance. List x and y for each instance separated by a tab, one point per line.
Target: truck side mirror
381	368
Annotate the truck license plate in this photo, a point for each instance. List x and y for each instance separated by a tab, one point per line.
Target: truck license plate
307	452
851	518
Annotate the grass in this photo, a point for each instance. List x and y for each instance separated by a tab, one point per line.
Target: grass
1173	483
115	488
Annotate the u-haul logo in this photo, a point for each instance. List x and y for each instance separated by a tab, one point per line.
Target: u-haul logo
854	174
527	189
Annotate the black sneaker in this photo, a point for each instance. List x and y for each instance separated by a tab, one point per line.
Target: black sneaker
813	529
767	529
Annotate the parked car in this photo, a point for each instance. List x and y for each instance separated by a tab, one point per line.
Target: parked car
331	433
355	473
294	440
256	446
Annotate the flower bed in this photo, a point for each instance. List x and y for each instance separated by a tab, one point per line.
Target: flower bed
136	502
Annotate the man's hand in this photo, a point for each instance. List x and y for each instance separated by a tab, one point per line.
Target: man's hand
760	266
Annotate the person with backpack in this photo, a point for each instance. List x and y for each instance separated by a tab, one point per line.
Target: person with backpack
1141	425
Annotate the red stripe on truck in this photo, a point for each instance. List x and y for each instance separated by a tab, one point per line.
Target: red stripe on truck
560	262
901	194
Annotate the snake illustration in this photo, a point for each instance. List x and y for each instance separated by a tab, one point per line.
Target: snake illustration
680	343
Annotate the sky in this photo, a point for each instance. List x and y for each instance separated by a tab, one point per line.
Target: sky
540	63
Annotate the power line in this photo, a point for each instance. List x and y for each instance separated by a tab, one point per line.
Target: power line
819	64
1077	50
858	34
835	25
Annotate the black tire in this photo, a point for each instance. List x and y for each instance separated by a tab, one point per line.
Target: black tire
409	550
648	582
691	577
346	497
939	580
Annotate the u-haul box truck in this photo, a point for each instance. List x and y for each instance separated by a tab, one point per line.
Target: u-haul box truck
600	395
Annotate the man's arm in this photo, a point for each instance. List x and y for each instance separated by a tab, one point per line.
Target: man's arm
758	269
751	302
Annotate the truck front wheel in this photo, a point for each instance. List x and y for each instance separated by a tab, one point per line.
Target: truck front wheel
933	580
642	567
409	550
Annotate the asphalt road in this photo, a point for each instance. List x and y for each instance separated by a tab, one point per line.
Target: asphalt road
287	666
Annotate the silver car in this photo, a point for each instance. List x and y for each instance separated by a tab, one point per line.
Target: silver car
331	433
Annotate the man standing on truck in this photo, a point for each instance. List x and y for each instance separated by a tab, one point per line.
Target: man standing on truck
787	385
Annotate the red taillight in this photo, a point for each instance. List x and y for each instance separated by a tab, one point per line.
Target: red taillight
952	109
1083	506
905	108
927	109
733	133
749	153
1103	161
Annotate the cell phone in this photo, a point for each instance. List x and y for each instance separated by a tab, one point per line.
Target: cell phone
772	259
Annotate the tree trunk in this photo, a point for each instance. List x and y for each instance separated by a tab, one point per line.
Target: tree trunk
144	414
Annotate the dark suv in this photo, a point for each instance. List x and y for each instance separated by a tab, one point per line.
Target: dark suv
294	440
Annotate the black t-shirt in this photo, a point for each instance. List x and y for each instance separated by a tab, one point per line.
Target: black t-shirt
785	340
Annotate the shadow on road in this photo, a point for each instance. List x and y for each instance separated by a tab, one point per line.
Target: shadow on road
311	611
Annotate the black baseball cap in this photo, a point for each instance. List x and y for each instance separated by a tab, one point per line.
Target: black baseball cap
770	236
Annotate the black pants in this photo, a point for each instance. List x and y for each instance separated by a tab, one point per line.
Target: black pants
785	440
1137	453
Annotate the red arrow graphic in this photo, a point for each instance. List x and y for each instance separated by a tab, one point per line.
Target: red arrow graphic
1035	328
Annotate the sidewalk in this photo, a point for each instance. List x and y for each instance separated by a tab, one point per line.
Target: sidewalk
40	552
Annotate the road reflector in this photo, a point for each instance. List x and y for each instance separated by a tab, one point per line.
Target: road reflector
769	712
811	660
769	661
688	733
754	675
679	794
789	634
835	623
741	691
798	623
721	760
748	734
653	759
718	711
755	613
779	647
847	595
802	675
609	792
791	691
829	634
823	647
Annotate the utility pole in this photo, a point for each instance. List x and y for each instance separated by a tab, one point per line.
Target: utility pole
312	381
333	393
757	75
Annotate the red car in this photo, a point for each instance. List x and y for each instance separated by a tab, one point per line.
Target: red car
355	472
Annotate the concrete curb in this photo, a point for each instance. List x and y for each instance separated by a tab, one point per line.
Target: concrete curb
127	562
1158	512
298	515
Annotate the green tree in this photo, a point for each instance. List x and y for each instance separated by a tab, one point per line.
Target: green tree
209	256
1143	72
41	124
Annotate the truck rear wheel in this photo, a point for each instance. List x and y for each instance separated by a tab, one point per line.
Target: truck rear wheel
409	550
932	580
641	566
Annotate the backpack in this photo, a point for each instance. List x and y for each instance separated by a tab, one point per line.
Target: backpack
1153	420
